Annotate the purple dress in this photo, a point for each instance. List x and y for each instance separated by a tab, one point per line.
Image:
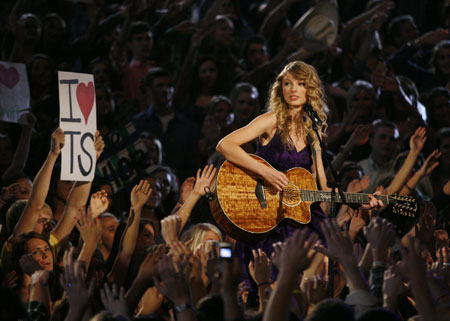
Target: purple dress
282	159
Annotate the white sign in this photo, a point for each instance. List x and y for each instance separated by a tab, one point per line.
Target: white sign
78	119
14	91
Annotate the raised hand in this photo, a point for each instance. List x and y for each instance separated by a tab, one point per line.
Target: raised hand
340	248
417	140
11	280
349	121
140	194
200	254
172	284
431	162
29	265
339	244
203	179
296	255
357	222
99	145
242	290
196	265
186	188
151	301
357	186
174	10
424	230
183	257
360	136
99	203
432	37
380	234
260	268
441	241
179	250
441	268
191	268
9	192
149	267
57	142
315	289
276	254
85	224
72	280
114	301
382	8
171	228
393	289
212	266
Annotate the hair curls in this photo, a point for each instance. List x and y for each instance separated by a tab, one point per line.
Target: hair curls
314	96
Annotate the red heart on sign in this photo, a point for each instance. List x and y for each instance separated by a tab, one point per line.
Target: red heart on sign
85	97
9	77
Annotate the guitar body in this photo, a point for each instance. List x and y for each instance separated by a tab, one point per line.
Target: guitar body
245	208
243	215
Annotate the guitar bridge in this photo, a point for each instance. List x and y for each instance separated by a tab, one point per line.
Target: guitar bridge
260	193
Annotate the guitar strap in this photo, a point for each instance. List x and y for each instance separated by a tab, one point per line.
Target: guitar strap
314	158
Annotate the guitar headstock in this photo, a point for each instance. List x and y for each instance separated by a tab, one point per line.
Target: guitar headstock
404	205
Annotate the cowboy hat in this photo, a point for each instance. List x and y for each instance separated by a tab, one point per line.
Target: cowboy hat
318	27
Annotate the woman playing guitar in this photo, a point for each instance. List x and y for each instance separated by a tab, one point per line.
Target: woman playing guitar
285	140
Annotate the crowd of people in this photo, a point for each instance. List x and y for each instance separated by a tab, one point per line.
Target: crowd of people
186	84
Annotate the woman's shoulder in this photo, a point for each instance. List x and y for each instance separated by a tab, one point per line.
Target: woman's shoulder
268	121
268	118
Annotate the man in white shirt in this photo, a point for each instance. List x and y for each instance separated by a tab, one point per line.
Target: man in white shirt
380	163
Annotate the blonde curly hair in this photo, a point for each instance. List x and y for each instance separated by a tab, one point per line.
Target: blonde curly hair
314	96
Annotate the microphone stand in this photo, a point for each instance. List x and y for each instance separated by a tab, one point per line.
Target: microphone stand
334	184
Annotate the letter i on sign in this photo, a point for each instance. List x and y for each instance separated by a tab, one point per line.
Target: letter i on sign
78	119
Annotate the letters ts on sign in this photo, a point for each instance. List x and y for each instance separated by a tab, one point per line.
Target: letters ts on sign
78	119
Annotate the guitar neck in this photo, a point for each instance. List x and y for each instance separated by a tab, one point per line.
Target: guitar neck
323	196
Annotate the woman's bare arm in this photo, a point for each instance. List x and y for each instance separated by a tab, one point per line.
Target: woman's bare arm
230	148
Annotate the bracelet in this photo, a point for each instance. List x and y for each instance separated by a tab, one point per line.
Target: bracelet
263	283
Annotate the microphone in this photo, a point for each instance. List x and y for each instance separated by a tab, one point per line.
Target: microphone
312	114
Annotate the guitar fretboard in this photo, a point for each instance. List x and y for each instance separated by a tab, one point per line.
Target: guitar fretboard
323	196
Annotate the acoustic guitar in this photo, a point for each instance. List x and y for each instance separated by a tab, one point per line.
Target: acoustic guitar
246	208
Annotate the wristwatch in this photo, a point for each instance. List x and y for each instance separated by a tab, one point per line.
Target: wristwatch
182	307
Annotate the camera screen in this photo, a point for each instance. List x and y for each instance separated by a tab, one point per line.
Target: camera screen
225	252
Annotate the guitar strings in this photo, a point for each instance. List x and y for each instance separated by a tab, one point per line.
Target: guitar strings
309	195
305	194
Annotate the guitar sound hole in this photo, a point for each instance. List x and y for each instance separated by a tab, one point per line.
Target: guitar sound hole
291	195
